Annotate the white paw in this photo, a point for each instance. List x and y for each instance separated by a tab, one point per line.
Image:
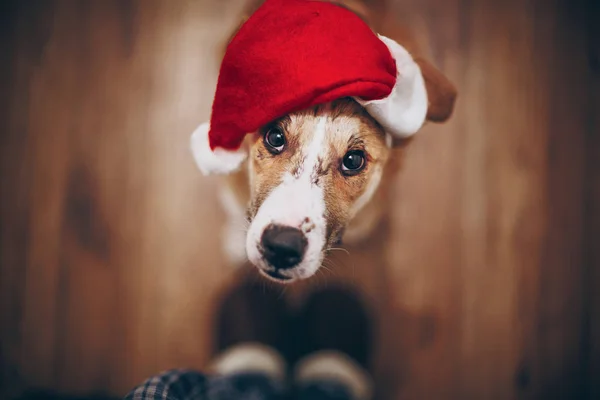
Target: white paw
234	244
233	235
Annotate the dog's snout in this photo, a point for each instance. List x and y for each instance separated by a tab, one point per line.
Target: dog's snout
283	246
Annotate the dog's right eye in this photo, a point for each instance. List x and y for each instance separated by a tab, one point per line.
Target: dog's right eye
353	162
275	140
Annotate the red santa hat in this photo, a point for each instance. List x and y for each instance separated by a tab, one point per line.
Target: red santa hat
293	54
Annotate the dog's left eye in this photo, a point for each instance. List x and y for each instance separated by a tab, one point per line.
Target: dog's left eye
353	162
275	140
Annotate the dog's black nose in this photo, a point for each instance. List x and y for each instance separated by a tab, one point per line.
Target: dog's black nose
283	246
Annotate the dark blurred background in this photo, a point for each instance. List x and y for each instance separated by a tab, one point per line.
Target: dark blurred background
487	279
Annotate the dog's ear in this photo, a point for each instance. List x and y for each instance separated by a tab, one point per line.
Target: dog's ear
441	97
441	93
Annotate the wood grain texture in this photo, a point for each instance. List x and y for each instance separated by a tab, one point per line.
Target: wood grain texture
592	231
112	211
484	277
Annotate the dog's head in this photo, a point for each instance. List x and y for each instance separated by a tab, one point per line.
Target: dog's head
310	172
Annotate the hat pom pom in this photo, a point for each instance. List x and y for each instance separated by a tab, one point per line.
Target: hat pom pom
217	161
403	112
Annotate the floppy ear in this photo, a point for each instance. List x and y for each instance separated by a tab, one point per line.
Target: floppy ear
441	93
421	93
403	112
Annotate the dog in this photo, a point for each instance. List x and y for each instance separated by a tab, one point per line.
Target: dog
316	178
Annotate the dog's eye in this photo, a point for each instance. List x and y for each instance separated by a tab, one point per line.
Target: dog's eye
275	140
353	162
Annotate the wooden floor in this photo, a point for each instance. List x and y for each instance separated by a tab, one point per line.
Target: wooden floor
485	278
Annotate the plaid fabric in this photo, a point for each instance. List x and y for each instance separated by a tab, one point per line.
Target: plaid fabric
178	384
192	385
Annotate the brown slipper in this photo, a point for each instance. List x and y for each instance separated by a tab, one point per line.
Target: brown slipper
251	330
335	333
336	319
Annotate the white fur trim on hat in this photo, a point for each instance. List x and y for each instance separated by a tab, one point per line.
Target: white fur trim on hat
403	112
217	161
330	365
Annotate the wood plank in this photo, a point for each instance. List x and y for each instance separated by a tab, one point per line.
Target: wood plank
39	167
14	196
592	231
561	307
